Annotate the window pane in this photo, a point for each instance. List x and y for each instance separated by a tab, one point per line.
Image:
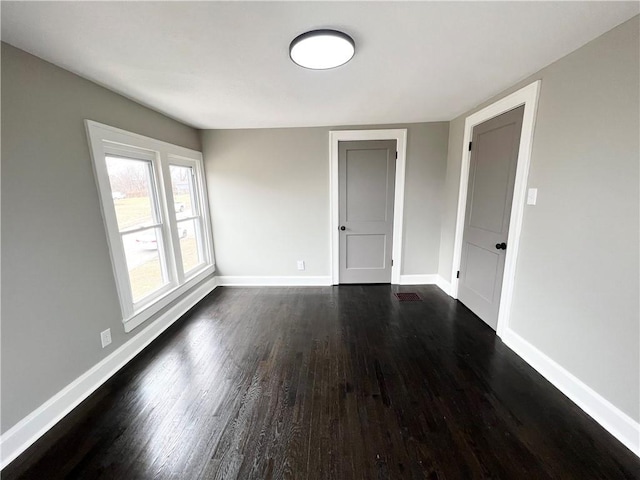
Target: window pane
189	240
183	194
131	191
143	262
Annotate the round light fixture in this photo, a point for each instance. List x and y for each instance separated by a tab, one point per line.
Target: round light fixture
322	49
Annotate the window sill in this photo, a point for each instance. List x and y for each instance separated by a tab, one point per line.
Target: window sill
164	301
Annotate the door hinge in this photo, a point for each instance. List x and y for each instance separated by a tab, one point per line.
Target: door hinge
392	262
396	154
470	143
458	274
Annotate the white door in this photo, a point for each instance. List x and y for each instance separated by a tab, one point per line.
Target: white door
492	173
366	172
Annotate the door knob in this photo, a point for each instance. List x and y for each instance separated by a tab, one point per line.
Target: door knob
501	246
343	227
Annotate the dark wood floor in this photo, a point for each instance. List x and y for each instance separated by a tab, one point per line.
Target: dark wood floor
317	383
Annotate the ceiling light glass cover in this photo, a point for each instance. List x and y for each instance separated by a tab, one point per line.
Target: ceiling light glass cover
322	49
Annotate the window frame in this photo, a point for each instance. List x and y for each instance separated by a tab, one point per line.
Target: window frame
128	305
198	216
105	140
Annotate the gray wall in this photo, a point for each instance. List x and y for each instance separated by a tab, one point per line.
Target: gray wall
450	197
577	276
269	191
58	290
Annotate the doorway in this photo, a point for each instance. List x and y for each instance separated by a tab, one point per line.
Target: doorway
526	97
366	184
492	171
367	250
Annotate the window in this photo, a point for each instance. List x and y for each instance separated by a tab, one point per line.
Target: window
155	212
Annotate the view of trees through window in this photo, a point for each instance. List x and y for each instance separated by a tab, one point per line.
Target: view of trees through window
135	200
186	215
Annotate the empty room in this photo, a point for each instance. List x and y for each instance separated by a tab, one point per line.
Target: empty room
320	240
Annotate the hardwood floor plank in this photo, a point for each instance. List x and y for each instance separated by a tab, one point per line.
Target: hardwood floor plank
327	383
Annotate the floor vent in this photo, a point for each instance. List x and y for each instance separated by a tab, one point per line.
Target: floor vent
408	297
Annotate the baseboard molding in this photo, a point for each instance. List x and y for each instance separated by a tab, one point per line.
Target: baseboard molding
444	285
22	435
428	279
319	281
293	281
616	422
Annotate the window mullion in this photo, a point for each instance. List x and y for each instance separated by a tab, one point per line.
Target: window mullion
199	225
195	193
176	257
201	244
160	219
198	212
205	228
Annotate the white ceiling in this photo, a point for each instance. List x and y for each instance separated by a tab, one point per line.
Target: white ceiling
226	64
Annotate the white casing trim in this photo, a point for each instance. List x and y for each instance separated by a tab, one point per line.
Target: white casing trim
424	279
23	434
400	136
616	422
527	96
292	281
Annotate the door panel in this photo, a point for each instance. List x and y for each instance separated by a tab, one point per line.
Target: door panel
492	172
492	185
481	269
366	182
366	251
366	172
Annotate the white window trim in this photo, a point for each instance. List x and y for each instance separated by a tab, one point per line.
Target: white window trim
104	138
202	215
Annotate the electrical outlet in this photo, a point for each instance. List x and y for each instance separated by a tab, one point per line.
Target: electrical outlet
105	337
532	196
300	264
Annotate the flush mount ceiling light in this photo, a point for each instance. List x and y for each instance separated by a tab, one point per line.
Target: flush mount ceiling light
322	49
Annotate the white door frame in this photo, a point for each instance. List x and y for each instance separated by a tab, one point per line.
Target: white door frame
400	136
527	96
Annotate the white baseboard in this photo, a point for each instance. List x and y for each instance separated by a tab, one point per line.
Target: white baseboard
428	279
444	285
22	435
616	422
293	281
